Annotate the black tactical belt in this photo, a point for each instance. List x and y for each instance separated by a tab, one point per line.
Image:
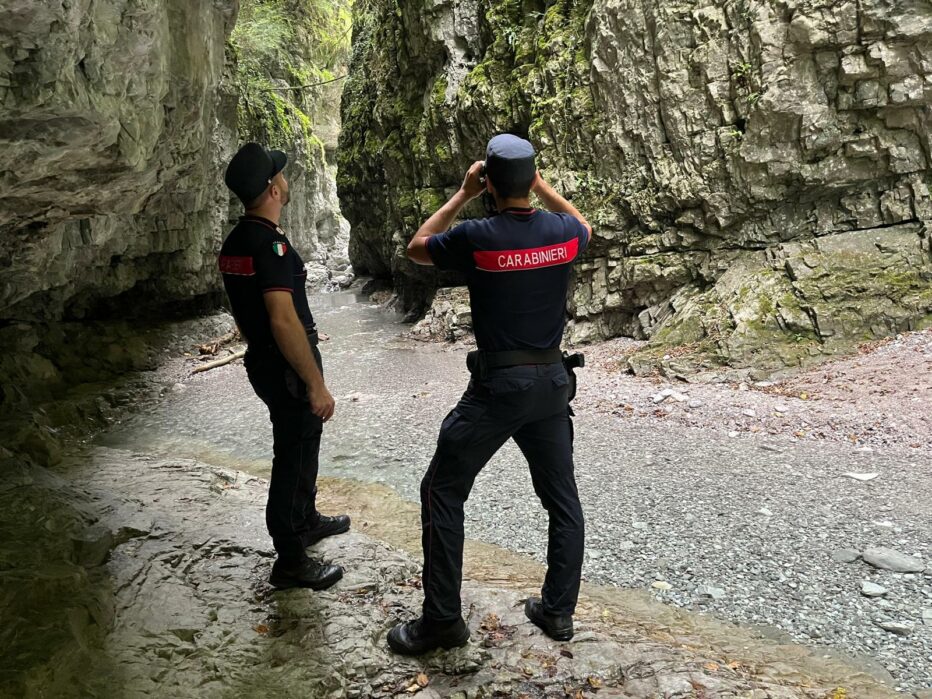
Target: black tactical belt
479	362
497	360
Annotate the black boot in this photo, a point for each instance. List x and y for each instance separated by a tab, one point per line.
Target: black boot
419	636
308	573
326	526
558	626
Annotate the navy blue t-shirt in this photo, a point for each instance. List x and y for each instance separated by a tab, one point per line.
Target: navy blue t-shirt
255	258
517	267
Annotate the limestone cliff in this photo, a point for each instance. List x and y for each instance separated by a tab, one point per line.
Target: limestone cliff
290	59
116	121
757	171
111	135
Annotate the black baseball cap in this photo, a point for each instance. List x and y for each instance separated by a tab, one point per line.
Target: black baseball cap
251	170
510	162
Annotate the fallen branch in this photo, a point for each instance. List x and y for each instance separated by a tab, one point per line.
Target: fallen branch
219	362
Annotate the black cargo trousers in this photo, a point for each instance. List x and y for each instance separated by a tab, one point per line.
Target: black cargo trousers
291	511
531	405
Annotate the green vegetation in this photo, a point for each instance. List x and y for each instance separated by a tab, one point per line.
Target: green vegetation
282	44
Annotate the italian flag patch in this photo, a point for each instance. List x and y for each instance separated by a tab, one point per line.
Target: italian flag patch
279	249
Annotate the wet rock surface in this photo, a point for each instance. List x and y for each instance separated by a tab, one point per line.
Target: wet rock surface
160	589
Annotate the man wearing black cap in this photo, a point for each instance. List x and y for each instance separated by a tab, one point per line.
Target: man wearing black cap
517	265
265	280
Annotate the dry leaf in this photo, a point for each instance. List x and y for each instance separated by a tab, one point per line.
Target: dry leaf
712	667
413	689
422	679
565	653
261	628
491	622
594	682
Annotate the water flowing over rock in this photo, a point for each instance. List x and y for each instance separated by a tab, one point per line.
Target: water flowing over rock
757	173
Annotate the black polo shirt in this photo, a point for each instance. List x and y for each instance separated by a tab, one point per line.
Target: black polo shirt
257	257
517	267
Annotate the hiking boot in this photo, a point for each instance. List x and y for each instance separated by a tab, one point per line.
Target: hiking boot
419	636
308	573
558	626
326	526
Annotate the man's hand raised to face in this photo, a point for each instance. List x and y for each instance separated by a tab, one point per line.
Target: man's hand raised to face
473	184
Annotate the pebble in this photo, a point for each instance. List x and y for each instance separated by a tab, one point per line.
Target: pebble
890	559
733	433
764	511
661	585
695	403
845	555
927	617
710	591
179	388
898	627
782	409
668	394
863	477
869	589
749	413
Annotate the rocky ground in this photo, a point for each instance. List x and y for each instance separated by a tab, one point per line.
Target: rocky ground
757	528
879	398
165	565
753	501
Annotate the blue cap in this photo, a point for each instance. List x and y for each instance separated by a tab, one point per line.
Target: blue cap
510	163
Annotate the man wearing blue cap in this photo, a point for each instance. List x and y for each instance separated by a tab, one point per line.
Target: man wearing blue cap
517	266
265	280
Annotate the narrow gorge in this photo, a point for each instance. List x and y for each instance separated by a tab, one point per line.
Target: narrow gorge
752	429
116	120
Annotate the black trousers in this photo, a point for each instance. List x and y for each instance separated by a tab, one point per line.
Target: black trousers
530	405
291	510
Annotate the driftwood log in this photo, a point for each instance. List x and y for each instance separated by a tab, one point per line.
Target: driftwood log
219	362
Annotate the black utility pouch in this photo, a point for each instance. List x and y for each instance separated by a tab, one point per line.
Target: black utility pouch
570	363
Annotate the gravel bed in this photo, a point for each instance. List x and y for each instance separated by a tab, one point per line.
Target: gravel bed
877	399
706	508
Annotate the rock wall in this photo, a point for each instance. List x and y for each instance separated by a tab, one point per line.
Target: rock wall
757	172
117	118
290	58
112	130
